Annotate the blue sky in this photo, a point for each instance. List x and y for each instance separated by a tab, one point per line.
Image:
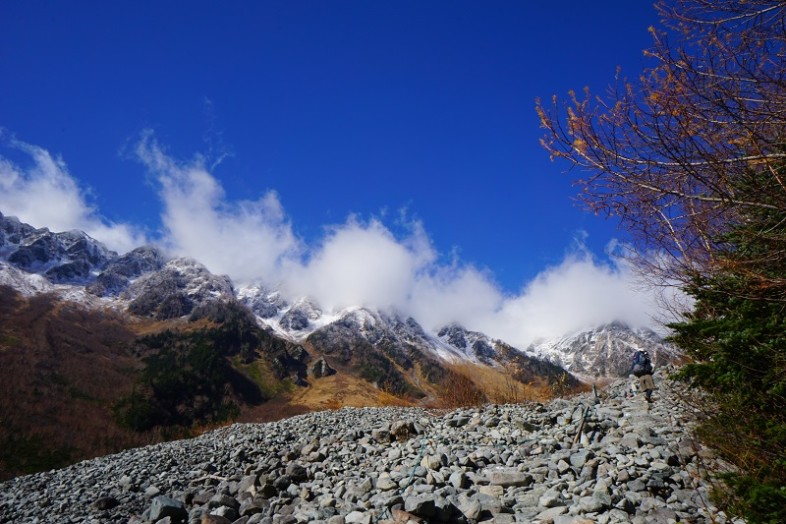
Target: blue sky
412	119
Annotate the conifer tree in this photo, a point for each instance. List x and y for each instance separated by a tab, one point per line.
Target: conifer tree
736	336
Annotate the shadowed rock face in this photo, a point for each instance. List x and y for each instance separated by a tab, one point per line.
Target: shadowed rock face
176	289
12	231
263	302
300	315
119	272
321	368
454	335
67	257
77	270
37	252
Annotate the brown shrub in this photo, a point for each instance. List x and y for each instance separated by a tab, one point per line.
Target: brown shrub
459	390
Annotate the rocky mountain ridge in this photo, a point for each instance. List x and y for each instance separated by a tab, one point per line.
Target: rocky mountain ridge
613	458
601	352
67	257
144	283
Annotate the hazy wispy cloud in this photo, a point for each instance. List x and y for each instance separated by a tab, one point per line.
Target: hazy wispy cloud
41	192
358	262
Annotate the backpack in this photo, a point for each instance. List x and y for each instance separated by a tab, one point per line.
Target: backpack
641	364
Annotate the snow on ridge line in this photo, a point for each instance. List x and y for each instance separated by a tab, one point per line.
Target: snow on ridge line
28	284
31	284
293	321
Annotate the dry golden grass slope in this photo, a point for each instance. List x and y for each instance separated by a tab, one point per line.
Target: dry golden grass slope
467	385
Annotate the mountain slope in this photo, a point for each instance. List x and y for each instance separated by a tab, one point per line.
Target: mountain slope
524	368
383	349
61	369
76	381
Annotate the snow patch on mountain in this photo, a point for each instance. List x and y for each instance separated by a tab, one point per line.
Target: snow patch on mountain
473	345
293	321
28	284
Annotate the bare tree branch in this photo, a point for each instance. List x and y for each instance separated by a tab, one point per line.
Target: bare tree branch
698	142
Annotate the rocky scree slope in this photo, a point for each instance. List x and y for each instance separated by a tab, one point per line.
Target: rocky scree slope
612	458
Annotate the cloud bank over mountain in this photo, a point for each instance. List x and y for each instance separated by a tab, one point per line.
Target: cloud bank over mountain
358	262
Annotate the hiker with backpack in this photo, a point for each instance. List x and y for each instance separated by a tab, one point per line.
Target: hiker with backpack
642	368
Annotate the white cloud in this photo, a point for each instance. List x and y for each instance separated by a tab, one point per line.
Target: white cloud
359	262
453	293
364	263
44	194
579	293
245	239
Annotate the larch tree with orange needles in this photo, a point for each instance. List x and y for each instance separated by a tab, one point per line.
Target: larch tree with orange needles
695	144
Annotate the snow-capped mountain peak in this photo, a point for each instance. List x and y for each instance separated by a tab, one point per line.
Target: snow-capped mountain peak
474	345
605	351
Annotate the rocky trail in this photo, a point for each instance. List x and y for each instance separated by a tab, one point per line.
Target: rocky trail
606	458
